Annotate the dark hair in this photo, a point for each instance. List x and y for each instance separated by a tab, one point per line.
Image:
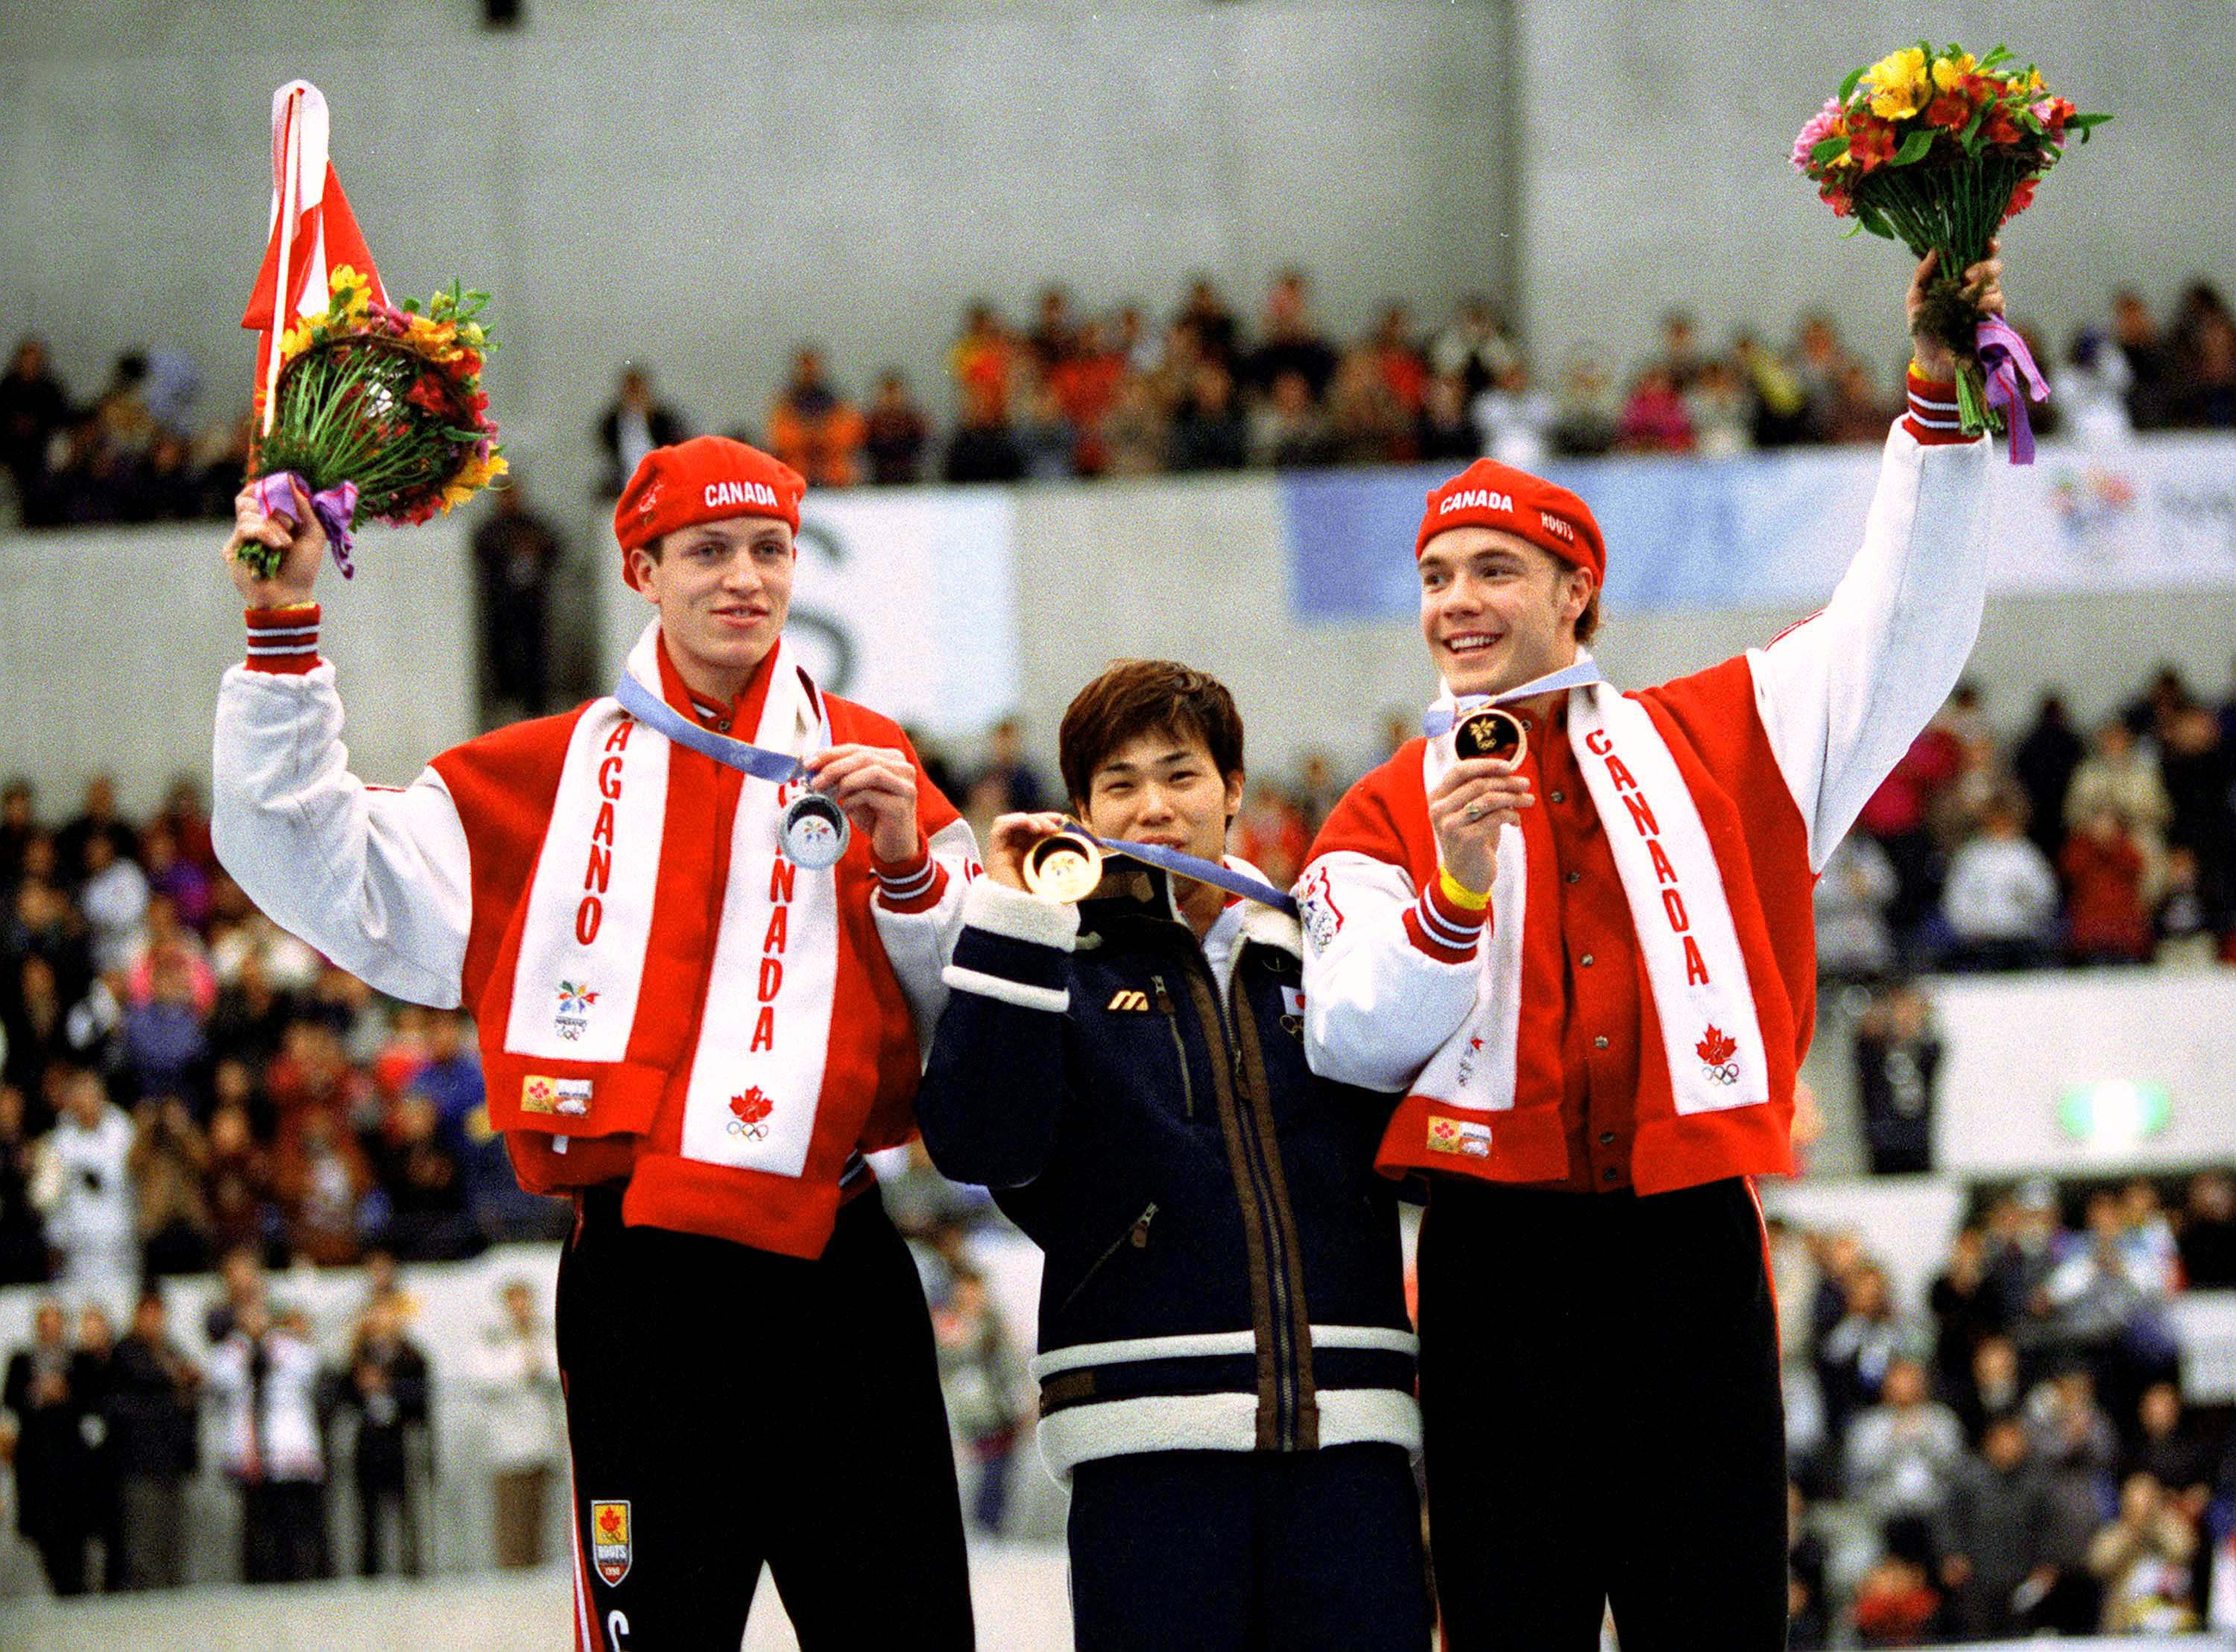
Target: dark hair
1587	622
1137	697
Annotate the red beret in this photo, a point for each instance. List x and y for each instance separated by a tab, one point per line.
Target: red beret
1489	495
707	479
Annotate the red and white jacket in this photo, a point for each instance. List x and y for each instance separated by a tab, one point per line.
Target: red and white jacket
1776	751
425	893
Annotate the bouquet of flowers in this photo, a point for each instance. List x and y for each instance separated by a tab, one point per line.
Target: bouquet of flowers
1938	150
377	413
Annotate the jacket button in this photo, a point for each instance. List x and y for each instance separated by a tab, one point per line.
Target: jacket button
1601	1043
1586	960
722	727
1576	877
1559	797
1607	1138
1608	1174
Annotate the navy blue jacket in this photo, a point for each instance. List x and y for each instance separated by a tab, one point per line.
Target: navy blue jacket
1222	1264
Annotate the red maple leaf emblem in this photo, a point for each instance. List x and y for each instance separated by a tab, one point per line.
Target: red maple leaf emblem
752	1107
609	1521
1715	1048
1474	1044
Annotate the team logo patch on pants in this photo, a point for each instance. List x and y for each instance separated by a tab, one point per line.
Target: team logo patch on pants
609	1540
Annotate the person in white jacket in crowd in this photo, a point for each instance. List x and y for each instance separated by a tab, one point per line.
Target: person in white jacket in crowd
265	1375
81	1181
516	1376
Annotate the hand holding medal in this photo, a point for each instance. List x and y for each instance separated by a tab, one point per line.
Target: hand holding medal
873	787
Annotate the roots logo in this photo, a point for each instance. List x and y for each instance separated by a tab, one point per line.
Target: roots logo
752	1110
1716	1050
609	1540
573	1016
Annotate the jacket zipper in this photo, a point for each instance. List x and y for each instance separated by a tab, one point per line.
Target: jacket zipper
1180	1049
1254	1149
1138	1234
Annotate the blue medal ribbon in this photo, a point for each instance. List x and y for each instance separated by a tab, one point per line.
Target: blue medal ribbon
657	713
1194	866
1441	719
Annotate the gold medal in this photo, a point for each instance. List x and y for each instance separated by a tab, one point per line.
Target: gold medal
1490	732
1064	868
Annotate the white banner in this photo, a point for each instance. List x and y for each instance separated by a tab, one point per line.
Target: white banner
904	601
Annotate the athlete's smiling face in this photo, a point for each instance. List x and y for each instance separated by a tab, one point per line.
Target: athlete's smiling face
723	589
1497	610
1161	788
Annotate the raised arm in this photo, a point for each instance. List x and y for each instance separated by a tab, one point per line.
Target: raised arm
375	879
1844	694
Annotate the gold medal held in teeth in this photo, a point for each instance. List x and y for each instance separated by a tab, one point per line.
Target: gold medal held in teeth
1064	868
1490	732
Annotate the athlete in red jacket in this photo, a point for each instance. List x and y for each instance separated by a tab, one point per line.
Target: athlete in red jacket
692	1023
1586	973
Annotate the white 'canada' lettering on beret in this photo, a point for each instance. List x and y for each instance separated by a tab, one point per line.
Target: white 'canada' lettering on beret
1476	499
740	492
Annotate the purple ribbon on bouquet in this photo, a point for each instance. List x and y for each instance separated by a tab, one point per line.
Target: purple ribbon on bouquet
275	495
2005	360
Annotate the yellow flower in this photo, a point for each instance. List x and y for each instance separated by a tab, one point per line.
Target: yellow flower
1949	73
1897	83
297	339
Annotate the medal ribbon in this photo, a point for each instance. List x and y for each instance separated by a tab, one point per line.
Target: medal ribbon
1441	719
758	761
1194	866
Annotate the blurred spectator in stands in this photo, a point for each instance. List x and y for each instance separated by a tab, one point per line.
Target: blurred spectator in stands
1046	440
83	1186
243	1211
2208	1231
983	447
51	1488
1446	431
18	825
982	1376
1287	429
113	901
518	554
1398	361
2072	1435
1680	357
895	433
1210	324
1475	347
813	428
319	1180
33	408
1991	1385
2149	363
2165	1449
2146	1238
1021	787
1654	419
1854	941
224	461
40	1023
165	1049
1853	1358
173	878
153	1434
1084	382
2142	1560
1055	331
1838	1253
312	1076
1135	433
387	1388
2105	920
265	1377
122	409
1896	1603
2000	899
924	1203
1513	420
2043	765
1719	410
2106	1303
2093	387
2026	1243
1994	1535
1903	1453
2205	360
515	1375
980	362
1817	363
2198	771
2123	774
241	1287
1782	406
2150	713
1270	834
22	1235
1808	1607
1965	1313
2192	912
634	423
169	1166
1317	788
1855	411
1132	341
250	1022
423	1184
90	1382
98	817
1897	1055
1289	340
1367	424
1209	431
1809	1454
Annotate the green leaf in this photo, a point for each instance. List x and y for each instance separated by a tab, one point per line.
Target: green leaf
1914	147
1855	78
1871	218
1827	149
2002	54
2084	124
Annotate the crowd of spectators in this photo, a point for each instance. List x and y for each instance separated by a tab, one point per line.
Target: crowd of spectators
1121	393
2014	1457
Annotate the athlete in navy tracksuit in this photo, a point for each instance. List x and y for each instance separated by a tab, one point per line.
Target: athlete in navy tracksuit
1225	1364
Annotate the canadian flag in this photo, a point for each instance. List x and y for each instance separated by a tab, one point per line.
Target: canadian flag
312	232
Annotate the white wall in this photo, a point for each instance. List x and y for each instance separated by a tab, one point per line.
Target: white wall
1655	169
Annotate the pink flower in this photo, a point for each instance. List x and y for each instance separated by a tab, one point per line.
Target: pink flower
1819	128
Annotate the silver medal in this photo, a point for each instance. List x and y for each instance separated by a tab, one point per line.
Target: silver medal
815	831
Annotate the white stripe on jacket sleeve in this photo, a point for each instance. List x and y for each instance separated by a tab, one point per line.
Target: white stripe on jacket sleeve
1843	694
378	881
